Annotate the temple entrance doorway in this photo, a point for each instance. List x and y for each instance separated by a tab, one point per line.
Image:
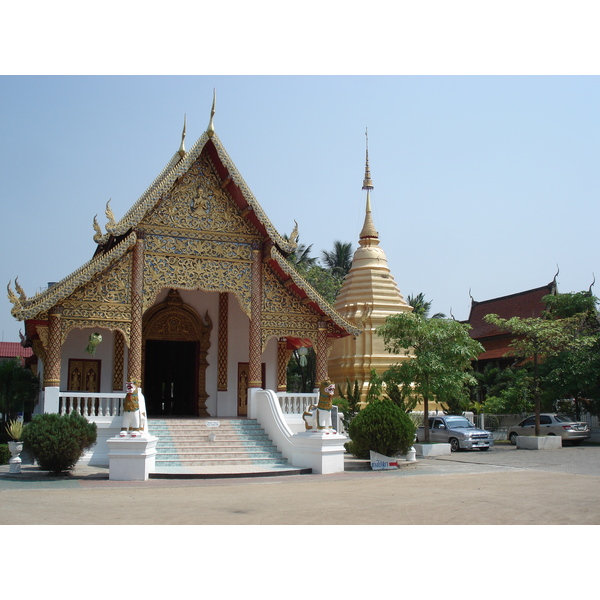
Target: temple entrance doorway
171	378
175	343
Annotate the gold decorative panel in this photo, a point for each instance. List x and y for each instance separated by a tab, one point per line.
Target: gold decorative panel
196	238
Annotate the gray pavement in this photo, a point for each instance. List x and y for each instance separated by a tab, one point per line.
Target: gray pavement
504	486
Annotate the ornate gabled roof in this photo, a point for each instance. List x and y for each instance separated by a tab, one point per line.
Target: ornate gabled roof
305	290
233	182
29	308
522	304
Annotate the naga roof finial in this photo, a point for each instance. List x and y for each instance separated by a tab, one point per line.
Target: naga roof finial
111	218
98	234
181	150
211	126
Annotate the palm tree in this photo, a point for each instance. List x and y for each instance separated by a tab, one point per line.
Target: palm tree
339	260
300	257
422	307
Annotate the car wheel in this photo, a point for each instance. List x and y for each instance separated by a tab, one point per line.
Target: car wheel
513	438
454	445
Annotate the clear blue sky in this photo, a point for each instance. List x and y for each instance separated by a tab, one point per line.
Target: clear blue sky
482	183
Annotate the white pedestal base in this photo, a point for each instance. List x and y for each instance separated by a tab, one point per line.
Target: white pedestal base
433	449
131	459
322	452
544	442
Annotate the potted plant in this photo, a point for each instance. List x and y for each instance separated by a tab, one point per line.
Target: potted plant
15	431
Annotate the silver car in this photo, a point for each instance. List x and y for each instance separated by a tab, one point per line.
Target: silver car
458	431
552	424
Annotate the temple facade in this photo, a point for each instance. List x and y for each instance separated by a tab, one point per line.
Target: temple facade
368	296
189	293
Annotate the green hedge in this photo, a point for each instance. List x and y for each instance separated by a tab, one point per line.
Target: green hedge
57	442
4	454
382	427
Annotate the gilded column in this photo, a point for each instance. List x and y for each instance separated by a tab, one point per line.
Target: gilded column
52	366
134	359
223	341
282	360
255	350
321	352
118	355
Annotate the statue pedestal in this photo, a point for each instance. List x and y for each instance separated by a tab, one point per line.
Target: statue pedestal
322	452
131	459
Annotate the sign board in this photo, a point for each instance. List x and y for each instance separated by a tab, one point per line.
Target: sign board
380	462
212	423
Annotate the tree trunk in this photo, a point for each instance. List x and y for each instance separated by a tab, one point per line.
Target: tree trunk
426	419
536	393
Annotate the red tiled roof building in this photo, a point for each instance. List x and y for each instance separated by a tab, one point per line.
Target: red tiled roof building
496	341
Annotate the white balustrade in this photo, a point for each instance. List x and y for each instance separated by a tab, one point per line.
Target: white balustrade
91	405
296	403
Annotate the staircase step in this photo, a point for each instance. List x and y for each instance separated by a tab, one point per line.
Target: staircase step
186	443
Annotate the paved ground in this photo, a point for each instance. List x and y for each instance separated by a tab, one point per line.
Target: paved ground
504	486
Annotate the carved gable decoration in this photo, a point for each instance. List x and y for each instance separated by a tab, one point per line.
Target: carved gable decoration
104	301
196	238
283	314
176	321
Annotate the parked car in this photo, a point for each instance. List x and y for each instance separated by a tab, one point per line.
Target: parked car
458	431
552	424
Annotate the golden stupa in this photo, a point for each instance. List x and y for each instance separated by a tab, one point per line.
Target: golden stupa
368	296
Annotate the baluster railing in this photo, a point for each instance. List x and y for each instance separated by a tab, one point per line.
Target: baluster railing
91	405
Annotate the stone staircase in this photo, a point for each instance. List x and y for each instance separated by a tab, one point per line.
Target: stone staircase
240	446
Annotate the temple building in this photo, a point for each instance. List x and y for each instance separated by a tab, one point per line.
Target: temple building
367	297
496	341
190	293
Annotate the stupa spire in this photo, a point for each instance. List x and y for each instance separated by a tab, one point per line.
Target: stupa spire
367	182
368	231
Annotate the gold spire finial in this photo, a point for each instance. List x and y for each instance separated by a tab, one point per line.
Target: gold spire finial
211	126
181	150
367	182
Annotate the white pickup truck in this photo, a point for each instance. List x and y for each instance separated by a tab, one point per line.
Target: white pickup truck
457	431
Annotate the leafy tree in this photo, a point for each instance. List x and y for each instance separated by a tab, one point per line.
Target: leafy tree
539	338
302	377
339	260
19	389
441	352
574	373
515	395
422	307
326	284
349	402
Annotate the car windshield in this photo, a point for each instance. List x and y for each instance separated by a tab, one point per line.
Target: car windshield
459	423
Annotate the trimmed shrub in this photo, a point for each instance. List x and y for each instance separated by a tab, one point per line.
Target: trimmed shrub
57	442
382	427
4	454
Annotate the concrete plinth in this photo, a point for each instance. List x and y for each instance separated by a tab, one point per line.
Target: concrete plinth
433	449
131	459
543	442
322	452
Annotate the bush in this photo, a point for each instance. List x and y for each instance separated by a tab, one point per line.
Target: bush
4	454
57	442
382	427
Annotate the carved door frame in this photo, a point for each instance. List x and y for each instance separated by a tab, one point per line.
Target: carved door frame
173	320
